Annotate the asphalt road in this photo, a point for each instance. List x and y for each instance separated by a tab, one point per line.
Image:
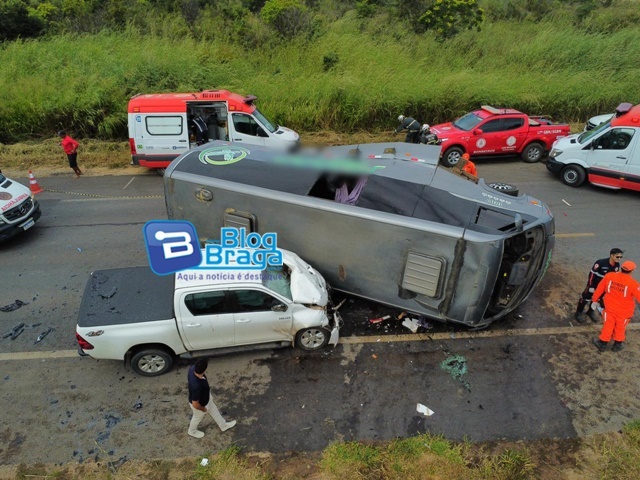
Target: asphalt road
534	375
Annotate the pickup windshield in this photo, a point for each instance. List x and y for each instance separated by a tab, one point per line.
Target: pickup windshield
278	279
264	121
587	136
468	122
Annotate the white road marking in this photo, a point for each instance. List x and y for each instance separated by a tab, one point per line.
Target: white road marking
132	179
410	337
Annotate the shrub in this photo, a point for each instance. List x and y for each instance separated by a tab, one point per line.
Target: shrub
289	18
15	21
447	18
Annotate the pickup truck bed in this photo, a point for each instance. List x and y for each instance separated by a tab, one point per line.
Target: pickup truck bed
126	295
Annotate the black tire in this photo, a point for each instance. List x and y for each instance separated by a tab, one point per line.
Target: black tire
451	157
160	171
573	175
532	153
151	362
312	338
505	188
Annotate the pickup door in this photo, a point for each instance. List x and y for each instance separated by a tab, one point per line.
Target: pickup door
499	135
223	318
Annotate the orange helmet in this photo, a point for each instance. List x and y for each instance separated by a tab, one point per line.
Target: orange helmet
628	266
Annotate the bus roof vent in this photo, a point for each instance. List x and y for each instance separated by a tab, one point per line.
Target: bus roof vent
422	274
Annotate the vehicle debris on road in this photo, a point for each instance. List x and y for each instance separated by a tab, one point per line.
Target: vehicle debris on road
426	411
43	334
13	306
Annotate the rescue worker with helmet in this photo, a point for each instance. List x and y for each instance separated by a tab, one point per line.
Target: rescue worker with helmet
412	126
620	291
598	271
466	165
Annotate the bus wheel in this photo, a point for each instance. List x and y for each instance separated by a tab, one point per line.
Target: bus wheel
504	188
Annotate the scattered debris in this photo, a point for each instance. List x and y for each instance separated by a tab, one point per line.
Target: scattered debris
114	466
204	462
13	306
380	319
137	405
17	331
110	294
43	334
374	356
456	365
566	203
79	249
411	324
339	305
426	411
402	315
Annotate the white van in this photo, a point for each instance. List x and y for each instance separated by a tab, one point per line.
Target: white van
19	210
608	156
162	127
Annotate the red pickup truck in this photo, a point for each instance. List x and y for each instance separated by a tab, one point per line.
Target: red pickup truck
497	131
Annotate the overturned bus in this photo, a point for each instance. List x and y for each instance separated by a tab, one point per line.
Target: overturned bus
380	221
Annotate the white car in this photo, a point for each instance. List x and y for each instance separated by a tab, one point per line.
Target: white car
593	122
19	210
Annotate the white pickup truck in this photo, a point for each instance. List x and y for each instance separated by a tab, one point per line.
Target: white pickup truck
147	320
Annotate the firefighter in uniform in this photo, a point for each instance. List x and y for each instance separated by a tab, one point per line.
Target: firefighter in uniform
598	271
621	292
412	126
467	165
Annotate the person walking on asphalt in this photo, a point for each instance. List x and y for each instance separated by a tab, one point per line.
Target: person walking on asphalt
412	126
621	292
598	271
200	400
70	147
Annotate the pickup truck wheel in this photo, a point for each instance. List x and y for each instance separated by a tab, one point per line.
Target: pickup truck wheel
573	175
532	153
151	362
504	188
451	157
313	338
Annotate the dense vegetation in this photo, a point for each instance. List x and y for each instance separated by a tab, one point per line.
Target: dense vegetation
321	64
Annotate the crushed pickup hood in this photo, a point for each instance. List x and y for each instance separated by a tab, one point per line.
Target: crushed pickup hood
307	285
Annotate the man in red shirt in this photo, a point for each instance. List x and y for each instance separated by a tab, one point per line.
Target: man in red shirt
70	147
621	291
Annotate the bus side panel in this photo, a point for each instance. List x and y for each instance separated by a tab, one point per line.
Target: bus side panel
361	256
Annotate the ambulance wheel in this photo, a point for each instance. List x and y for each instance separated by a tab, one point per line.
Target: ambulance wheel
504	188
451	157
573	175
532	153
312	338
151	362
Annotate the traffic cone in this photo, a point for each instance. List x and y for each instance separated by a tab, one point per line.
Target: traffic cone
33	184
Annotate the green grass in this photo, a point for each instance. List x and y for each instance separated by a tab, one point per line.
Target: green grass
380	69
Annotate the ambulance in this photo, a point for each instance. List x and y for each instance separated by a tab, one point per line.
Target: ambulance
161	125
19	210
607	156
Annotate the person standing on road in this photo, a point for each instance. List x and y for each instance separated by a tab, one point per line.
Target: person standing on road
621	292
201	401
412	126
598	271
70	147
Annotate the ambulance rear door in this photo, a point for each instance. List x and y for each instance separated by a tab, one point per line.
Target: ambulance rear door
162	134
632	169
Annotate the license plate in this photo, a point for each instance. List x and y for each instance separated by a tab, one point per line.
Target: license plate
27	225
